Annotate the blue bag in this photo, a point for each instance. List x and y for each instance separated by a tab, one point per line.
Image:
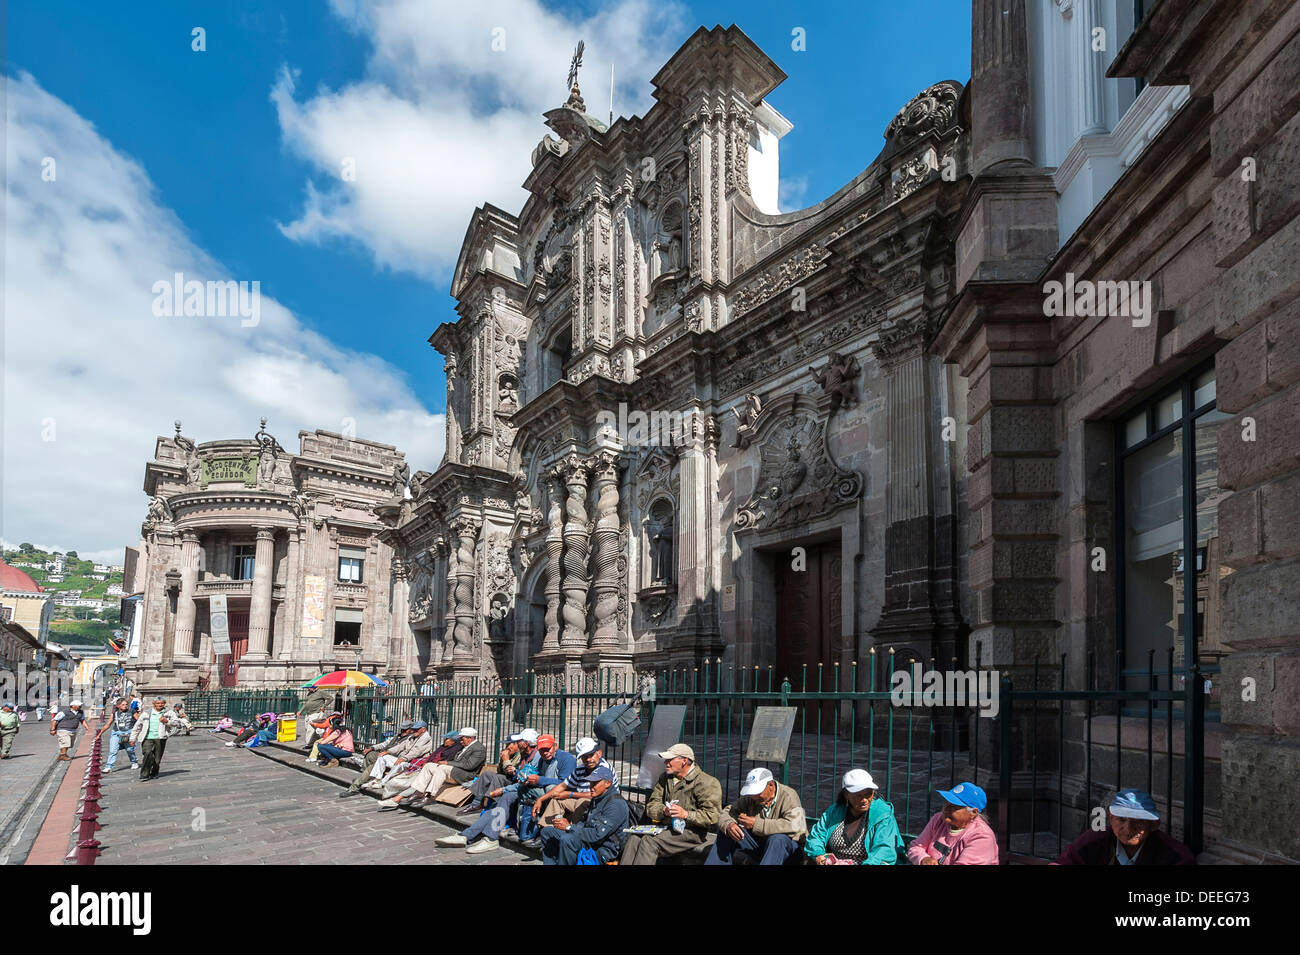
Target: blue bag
588	857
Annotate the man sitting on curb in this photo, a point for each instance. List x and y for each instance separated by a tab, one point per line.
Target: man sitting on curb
685	799
433	776
572	798
1132	837
767	824
381	763
519	750
601	828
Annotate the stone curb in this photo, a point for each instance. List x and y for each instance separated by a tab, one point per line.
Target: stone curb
447	815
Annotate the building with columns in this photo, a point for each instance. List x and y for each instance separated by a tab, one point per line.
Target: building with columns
290	542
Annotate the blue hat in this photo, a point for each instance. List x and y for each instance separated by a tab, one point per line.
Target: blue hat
419	725
1134	804
601	772
965	794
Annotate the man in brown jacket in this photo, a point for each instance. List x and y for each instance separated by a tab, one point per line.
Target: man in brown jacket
767	824
685	799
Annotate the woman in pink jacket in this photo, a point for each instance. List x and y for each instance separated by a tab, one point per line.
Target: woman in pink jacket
336	744
957	834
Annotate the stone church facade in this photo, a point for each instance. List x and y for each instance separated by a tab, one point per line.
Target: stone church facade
683	426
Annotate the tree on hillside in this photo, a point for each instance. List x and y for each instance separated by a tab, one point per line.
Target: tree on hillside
26	548
72	555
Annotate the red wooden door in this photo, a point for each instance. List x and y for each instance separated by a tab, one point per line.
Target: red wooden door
238	624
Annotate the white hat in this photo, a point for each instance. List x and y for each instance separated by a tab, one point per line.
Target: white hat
856	780
756	781
468	731
586	745
528	736
75	703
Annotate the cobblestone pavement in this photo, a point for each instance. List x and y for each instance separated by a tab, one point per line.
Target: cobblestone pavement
216	805
29	774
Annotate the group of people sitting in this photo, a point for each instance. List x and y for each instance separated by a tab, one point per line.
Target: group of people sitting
570	807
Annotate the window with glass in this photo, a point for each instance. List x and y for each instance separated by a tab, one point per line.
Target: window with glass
1168	479
244	558
351	563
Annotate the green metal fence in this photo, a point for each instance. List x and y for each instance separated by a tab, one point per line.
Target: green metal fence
838	726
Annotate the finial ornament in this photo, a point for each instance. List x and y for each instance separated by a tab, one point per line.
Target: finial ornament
574	65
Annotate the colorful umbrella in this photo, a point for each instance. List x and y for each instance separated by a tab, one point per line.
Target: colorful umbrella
345	678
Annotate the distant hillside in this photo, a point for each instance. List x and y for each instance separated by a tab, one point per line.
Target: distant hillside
78	575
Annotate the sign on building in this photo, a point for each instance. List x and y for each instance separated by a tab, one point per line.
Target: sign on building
313	608
230	470
220	622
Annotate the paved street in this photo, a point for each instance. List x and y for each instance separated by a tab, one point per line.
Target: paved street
28	776
216	805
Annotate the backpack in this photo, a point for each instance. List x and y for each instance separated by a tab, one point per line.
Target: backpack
617	723
588	857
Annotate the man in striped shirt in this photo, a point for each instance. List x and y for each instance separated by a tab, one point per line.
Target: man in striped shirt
572	798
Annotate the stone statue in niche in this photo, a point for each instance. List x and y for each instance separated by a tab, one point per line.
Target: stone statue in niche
659	532
507	394
746	415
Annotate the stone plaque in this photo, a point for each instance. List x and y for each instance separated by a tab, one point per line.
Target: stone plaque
220	625
665	729
769	737
240	470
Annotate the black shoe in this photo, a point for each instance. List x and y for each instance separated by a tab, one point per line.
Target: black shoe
534	843
470	811
349	792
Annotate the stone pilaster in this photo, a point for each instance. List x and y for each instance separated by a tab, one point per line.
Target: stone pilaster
698	581
259	606
576	551
443	653
605	633
185	609
398	664
999	85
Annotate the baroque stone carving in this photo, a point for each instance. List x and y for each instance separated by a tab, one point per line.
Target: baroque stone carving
798	480
746	415
932	109
838	378
606	558
784	276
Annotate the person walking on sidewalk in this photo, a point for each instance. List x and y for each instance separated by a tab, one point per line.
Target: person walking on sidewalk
8	729
118	724
64	724
151	731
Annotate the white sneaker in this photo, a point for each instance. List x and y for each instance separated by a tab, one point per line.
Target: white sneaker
135	765
108	769
450	842
231	743
483	845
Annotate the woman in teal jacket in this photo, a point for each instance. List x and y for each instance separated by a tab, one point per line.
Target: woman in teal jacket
858	829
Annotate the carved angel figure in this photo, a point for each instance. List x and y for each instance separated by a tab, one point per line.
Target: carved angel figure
159	510
837	378
401	475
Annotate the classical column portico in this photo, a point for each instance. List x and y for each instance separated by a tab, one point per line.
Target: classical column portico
259	610
185	610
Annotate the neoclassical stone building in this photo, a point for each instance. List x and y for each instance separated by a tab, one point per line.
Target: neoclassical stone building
290	541
682	425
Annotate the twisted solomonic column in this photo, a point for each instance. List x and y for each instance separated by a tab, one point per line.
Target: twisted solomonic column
605	579
576	550
554	569
465	532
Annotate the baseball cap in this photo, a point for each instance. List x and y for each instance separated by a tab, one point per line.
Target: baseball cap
678	749
468	731
586	745
965	794
418	725
528	736
75	703
406	725
450	734
756	781
546	741
1134	804
601	772
856	780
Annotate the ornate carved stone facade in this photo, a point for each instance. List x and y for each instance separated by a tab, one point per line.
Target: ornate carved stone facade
648	281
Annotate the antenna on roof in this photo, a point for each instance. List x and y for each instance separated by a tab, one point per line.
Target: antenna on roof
611	94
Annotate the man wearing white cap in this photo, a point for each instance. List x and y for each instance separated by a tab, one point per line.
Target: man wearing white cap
519	748
767	824
572	798
1132	837
433	776
687	800
64	725
858	829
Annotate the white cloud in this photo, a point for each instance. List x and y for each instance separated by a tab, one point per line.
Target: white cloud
442	122
87	361
792	193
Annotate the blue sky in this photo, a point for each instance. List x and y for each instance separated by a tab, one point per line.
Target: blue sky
226	160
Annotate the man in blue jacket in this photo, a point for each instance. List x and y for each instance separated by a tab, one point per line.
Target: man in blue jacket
600	830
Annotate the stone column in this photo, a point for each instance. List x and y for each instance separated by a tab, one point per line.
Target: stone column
171	591
999	85
1092	70
576	550
554	568
448	550
259	607
465	532
697	517
185	609
292	597
605	633
399	663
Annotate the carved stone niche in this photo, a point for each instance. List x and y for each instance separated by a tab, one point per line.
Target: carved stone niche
798	480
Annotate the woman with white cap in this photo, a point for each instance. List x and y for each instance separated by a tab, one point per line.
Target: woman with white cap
858	829
957	834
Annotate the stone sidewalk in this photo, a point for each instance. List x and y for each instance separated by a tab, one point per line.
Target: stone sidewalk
216	805
27	779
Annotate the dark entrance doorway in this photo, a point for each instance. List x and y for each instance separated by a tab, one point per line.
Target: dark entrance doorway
808	616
